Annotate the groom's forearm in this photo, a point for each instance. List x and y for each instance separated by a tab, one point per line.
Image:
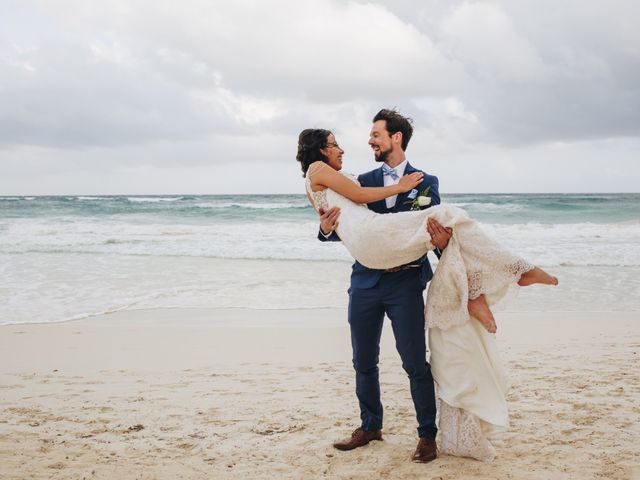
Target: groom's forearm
329	223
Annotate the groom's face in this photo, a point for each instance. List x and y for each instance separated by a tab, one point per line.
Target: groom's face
380	141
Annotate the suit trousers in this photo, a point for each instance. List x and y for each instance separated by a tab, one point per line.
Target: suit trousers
399	295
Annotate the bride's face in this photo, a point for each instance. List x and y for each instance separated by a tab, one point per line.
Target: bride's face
333	152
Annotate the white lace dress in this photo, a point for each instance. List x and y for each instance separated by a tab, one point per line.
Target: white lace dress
471	382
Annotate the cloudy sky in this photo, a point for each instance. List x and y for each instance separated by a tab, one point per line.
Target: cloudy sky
208	96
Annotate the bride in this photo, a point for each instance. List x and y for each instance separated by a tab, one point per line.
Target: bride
474	272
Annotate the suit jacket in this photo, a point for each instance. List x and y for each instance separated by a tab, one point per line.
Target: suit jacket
363	277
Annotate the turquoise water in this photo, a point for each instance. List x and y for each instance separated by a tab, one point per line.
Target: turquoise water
490	208
72	256
574	229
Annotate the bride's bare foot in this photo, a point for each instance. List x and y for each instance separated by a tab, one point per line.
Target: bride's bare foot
537	275
479	309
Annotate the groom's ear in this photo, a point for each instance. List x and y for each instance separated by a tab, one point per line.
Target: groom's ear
397	138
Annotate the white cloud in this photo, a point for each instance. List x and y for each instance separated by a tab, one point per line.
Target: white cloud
91	91
482	37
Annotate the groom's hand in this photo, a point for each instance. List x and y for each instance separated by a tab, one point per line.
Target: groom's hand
439	235
329	220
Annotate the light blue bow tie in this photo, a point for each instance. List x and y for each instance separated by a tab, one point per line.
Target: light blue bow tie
386	170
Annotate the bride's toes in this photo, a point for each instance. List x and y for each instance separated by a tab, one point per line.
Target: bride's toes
479	310
489	324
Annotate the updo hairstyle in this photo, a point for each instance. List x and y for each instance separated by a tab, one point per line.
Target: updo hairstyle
310	142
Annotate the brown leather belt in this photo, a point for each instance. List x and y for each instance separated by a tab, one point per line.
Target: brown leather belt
400	268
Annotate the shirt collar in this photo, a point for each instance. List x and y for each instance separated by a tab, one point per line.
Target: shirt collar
400	168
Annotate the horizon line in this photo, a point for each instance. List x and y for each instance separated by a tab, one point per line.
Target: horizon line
295	193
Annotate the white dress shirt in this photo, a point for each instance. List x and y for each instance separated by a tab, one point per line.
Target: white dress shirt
391	201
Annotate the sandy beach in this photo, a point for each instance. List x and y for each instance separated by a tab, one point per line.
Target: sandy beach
203	393
169	308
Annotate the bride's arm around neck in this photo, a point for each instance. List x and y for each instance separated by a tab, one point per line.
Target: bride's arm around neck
323	176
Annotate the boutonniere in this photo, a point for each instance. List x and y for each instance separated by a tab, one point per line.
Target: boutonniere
419	200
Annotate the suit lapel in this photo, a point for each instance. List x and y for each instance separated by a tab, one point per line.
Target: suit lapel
403	196
409	169
378	181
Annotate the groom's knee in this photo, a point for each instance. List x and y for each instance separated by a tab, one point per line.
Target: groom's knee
417	371
366	369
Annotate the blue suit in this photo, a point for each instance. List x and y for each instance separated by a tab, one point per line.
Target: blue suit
399	295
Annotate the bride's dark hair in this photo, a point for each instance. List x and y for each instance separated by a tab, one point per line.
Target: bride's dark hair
310	142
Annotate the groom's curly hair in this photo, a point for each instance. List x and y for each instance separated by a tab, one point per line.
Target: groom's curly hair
396	123
310	142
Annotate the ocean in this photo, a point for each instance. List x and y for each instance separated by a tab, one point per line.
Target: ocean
70	257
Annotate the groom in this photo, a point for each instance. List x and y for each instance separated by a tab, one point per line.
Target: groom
396	292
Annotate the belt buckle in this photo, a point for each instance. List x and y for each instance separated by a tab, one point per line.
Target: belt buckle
400	268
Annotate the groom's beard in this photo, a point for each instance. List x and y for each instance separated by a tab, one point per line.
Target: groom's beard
382	157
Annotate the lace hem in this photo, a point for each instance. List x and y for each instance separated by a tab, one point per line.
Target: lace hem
513	270
463	434
472	265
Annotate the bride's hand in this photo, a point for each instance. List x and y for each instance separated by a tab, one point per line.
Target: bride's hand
409	182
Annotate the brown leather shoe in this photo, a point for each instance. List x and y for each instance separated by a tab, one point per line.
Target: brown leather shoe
426	451
358	438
